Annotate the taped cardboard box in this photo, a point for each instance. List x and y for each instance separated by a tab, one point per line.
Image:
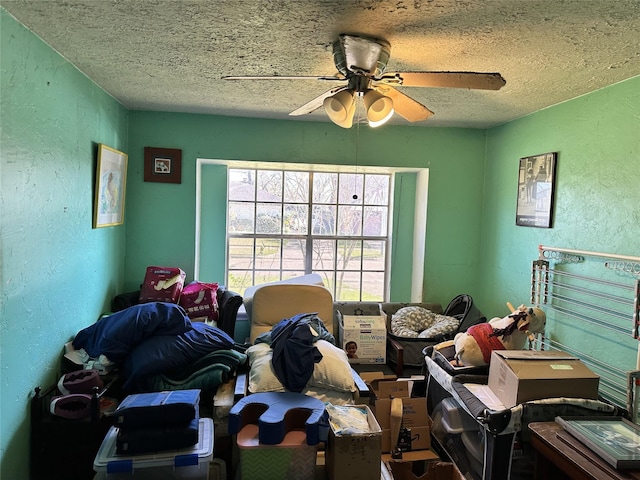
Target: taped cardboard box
363	337
517	376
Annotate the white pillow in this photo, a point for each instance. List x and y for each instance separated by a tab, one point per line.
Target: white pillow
262	378
333	372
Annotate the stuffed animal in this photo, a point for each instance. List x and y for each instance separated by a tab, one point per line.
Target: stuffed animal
474	347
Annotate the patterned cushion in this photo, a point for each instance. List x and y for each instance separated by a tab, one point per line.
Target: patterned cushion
422	323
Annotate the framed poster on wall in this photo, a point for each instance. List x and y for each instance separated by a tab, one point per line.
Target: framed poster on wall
536	182
111	181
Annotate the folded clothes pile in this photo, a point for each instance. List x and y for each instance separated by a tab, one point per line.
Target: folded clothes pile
157	421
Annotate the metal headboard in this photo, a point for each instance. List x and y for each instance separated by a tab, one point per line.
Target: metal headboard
568	289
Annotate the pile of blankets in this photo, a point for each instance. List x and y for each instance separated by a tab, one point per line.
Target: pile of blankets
157	347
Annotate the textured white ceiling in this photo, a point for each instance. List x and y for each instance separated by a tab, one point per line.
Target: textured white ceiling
171	55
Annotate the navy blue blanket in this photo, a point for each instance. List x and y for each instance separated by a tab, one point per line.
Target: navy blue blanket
161	353
114	336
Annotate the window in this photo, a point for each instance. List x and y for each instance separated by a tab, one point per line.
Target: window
285	223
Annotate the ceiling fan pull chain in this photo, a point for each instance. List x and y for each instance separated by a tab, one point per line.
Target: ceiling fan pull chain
355	178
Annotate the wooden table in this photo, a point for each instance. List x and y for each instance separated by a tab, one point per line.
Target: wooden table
560	455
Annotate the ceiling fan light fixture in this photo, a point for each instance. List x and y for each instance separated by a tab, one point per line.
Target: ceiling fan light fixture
340	108
379	108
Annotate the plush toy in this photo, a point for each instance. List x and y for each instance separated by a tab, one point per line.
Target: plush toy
474	347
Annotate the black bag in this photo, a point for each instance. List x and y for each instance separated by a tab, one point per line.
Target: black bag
463	308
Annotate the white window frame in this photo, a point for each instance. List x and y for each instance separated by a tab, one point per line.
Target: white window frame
309	238
420	215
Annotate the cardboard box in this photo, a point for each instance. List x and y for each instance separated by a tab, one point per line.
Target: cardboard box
354	456
432	469
414	413
369	332
373	379
517	376
420	439
414	418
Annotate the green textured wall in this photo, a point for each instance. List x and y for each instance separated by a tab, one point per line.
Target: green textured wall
597	199
161	217
57	274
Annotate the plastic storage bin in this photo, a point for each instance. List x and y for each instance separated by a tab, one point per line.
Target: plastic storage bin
184	464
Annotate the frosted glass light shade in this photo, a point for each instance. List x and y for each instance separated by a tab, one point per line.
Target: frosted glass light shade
340	108
378	107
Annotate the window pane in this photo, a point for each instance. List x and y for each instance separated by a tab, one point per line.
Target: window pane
270	230
266	276
239	280
349	254
376	189
268	254
268	218
324	220
329	279
242	185
325	187
269	185
372	286
240	253
349	220
294	253
350	185
296	187
348	286
324	255
373	256
296	218
287	274
375	221
241	217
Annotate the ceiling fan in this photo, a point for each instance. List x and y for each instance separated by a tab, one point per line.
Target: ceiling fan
361	62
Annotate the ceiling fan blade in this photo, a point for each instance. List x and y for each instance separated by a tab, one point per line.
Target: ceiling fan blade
316	103
334	78
470	80
404	105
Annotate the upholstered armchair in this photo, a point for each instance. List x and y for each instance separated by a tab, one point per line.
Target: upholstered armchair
333	378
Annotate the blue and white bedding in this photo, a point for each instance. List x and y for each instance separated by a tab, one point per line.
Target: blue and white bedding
156	344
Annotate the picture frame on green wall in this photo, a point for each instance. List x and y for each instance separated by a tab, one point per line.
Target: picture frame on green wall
536	186
162	165
111	182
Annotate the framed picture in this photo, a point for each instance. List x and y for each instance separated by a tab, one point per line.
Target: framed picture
615	439
162	165
111	182
536	180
